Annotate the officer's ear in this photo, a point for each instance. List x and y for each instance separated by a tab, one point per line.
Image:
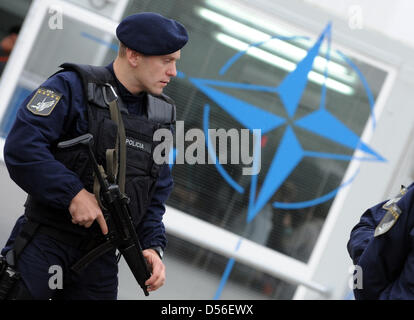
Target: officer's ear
133	57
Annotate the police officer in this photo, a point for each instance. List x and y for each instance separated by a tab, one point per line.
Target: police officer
61	204
381	246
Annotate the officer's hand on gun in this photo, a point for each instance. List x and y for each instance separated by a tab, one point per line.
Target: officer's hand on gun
157	278
84	209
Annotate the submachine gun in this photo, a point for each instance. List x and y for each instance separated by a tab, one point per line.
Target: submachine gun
121	232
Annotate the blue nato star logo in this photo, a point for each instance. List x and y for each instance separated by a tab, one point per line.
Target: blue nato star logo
290	152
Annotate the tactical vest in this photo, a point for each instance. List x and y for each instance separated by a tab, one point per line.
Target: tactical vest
141	170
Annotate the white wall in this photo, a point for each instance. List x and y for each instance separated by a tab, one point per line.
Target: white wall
390	18
12	199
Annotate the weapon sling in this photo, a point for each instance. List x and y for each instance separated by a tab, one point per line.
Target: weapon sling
111	154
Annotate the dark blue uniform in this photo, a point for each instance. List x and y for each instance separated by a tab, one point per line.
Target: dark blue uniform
387	260
33	167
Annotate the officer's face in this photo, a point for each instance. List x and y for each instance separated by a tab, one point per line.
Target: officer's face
153	73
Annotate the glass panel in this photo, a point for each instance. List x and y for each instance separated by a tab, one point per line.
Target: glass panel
77	42
312	171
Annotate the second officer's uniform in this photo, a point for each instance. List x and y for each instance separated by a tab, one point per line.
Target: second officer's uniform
381	245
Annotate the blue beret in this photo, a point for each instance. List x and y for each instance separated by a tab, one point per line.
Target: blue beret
151	34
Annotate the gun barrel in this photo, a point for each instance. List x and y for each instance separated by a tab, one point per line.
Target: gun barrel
137	264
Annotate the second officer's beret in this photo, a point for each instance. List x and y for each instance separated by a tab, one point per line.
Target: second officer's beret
151	33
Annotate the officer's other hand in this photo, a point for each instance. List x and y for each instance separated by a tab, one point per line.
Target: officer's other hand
84	210
157	278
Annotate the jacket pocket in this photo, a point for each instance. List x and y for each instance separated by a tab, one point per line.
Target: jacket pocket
106	139
137	190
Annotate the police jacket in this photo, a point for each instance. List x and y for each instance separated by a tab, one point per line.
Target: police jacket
70	104
386	260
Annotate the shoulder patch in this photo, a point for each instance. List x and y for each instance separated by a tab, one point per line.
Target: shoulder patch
391	215
43	102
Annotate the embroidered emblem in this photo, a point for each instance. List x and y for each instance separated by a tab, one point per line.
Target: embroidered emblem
392	214
43	102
